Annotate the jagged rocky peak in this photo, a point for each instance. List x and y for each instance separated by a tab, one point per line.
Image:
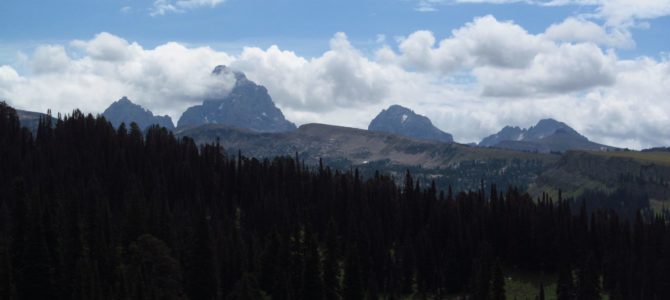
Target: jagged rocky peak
403	121
546	136
125	111
224	70
248	105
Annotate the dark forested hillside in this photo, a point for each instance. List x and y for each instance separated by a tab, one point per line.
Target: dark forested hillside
89	211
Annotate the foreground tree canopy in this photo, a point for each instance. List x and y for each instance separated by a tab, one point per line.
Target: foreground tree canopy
89	211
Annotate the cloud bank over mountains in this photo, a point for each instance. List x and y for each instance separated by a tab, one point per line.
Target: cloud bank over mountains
486	74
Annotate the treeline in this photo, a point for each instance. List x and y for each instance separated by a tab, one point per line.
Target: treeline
88	211
468	175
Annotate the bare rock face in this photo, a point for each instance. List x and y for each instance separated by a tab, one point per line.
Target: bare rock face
248	106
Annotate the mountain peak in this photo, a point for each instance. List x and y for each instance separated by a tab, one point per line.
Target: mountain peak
549	124
224	70
547	127
546	136
247	106
124	100
397	107
401	120
549	121
125	111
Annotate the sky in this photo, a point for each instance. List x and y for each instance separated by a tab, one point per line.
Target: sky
471	66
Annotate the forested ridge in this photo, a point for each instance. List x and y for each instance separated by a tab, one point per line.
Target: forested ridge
89	211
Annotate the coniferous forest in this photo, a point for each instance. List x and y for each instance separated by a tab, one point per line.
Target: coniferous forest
89	211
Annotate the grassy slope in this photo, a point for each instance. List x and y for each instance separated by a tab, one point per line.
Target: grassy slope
662	158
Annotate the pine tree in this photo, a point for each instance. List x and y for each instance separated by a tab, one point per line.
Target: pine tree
201	279
269	262
565	285
588	280
331	268
481	282
159	271
7	288
498	283
36	273
313	285
246	289
353	283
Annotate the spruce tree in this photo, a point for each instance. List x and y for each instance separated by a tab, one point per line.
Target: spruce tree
498	283
331	268
201	279
36	272
246	289
588	280
313	285
353	283
565	285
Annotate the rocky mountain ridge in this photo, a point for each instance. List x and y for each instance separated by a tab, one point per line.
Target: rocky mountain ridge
403	121
125	111
248	105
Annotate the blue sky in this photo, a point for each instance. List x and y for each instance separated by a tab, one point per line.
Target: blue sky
305	26
601	66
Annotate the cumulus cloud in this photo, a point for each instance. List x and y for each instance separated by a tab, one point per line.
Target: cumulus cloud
108	47
341	77
162	7
506	59
567	68
167	79
580	30
50	59
615	13
483	42
484	76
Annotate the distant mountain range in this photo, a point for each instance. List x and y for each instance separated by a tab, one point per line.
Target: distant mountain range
248	105
403	121
462	167
547	136
125	111
29	119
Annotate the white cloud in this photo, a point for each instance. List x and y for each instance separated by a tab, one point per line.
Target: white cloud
341	77
166	79
579	30
108	47
615	13
470	84
506	59
50	59
567	68
162	7
626	12
8	77
483	42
